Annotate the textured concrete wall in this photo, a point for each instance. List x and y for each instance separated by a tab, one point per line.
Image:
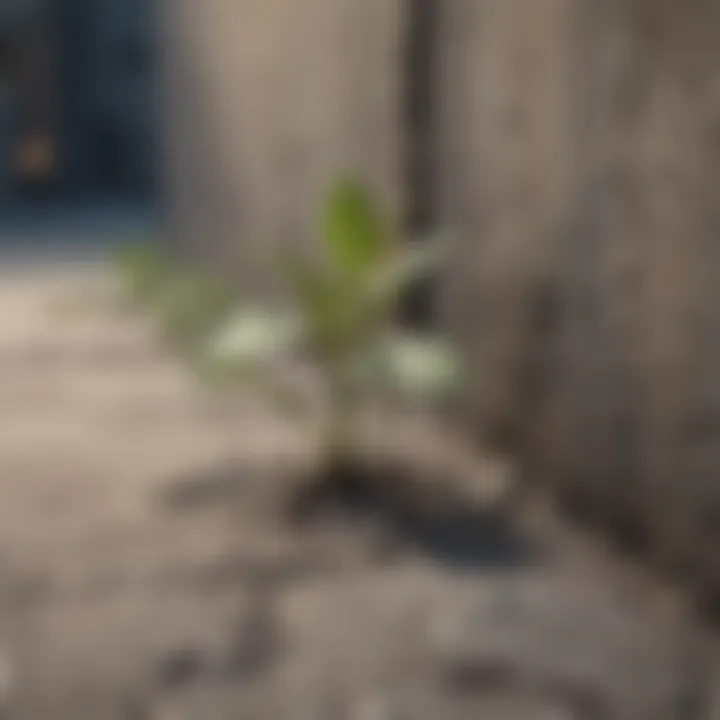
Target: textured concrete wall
507	149
267	101
582	166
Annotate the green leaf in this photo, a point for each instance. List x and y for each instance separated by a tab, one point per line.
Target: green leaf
327	304
313	290
251	339
418	261
246	351
353	229
415	262
423	367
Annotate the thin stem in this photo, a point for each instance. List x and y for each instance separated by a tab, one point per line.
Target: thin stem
340	435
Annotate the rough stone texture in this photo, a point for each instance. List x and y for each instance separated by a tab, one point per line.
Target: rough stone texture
267	101
582	158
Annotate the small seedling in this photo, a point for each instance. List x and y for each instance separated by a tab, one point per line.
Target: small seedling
342	320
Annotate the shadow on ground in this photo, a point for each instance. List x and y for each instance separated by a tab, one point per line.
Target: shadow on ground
433	522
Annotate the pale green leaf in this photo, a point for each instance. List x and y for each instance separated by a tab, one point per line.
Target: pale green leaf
315	292
415	262
252	337
328	305
353	229
425	367
251	349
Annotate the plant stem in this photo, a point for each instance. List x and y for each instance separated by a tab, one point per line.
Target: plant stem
340	444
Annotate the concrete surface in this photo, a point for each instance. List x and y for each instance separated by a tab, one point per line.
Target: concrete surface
145	572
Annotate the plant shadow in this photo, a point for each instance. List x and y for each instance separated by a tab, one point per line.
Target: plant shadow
434	520
431	520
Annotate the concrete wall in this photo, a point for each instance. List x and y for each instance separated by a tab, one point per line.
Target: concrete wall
582	165
269	99
507	150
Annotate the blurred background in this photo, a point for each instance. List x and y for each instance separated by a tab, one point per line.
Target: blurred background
79	109
567	153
